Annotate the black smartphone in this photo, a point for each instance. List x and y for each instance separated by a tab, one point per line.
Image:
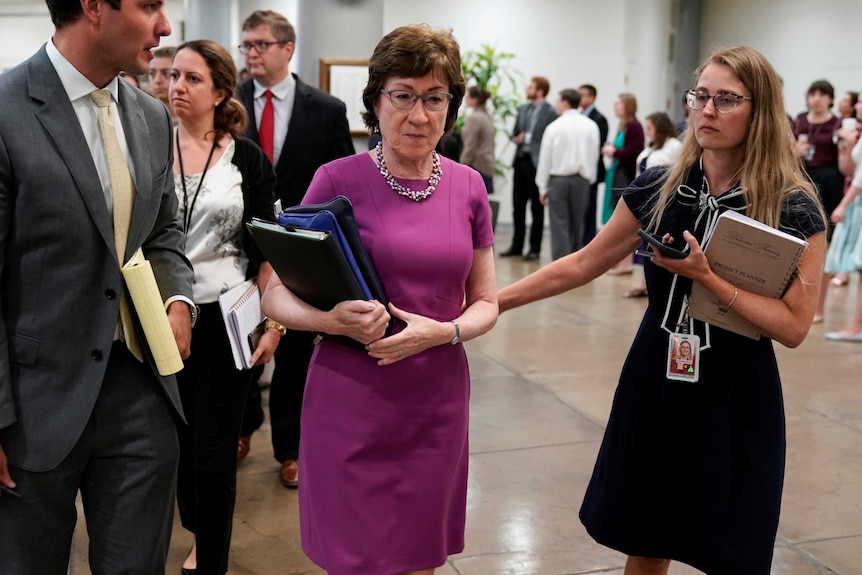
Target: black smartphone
673	249
255	335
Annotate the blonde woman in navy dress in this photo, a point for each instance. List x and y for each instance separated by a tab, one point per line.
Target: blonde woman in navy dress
384	430
692	471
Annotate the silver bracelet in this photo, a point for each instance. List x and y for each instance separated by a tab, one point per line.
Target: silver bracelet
457	337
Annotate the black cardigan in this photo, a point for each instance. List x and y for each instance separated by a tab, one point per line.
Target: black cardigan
258	184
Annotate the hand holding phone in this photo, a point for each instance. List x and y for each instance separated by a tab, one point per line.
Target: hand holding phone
256	334
673	249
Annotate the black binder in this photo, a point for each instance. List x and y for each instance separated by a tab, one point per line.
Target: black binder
342	209
310	263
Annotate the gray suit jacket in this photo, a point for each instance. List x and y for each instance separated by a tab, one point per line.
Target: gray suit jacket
59	277
546	115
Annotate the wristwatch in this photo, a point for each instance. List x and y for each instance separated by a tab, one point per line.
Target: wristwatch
457	338
272	324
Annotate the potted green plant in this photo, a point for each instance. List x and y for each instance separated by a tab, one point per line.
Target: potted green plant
492	70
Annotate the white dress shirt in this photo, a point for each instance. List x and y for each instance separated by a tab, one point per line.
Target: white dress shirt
79	88
664	156
570	147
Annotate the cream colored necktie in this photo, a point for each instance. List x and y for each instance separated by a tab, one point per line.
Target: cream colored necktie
123	193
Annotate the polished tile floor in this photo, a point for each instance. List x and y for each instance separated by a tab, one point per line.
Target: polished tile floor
543	381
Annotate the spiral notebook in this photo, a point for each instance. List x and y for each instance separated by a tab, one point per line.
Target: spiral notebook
240	309
753	257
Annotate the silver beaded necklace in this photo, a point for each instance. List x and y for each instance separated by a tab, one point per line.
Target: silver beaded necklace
416	196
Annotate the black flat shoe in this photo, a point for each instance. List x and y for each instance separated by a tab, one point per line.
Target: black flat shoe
510	252
184	571
531	256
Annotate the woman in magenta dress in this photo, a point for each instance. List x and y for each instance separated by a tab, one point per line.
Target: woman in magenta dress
384	431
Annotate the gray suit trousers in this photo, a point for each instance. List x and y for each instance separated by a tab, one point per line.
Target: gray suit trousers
125	466
568	201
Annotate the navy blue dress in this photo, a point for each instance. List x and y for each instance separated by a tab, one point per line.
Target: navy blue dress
693	471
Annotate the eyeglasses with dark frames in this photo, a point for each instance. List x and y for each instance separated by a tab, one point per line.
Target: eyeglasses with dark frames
724	102
405	99
260	46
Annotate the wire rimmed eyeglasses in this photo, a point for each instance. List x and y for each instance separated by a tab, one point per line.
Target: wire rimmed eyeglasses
405	99
724	102
260	47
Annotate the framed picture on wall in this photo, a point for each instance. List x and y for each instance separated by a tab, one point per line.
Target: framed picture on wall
345	79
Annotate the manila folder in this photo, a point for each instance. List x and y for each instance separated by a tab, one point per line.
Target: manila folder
148	303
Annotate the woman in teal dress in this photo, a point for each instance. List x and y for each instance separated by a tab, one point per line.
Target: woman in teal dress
845	250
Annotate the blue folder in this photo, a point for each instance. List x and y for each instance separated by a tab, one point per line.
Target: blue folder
326	221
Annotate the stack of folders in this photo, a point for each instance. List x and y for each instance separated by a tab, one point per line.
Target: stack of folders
310	263
752	256
316	251
336	216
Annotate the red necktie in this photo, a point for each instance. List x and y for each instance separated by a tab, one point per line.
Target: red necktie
266	131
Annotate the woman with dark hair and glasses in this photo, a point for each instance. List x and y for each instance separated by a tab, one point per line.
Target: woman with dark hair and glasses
384	429
692	470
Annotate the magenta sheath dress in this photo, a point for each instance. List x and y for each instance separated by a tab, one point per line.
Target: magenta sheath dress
384	451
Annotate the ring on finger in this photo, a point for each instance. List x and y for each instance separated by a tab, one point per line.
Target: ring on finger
400	353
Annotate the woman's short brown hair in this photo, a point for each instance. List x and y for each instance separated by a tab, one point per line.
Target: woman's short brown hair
412	52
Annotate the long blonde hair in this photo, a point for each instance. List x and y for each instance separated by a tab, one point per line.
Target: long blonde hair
771	170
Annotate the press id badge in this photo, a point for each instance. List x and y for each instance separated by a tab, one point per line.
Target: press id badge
683	357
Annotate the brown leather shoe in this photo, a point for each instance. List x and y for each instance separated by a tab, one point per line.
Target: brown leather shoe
243	447
289	475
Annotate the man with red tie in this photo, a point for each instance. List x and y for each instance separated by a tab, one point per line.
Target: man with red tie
300	128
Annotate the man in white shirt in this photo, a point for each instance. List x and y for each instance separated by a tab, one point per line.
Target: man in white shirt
567	167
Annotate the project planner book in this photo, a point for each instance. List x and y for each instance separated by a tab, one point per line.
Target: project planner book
753	257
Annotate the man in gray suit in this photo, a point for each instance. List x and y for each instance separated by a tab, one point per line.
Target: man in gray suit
533	118
79	411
